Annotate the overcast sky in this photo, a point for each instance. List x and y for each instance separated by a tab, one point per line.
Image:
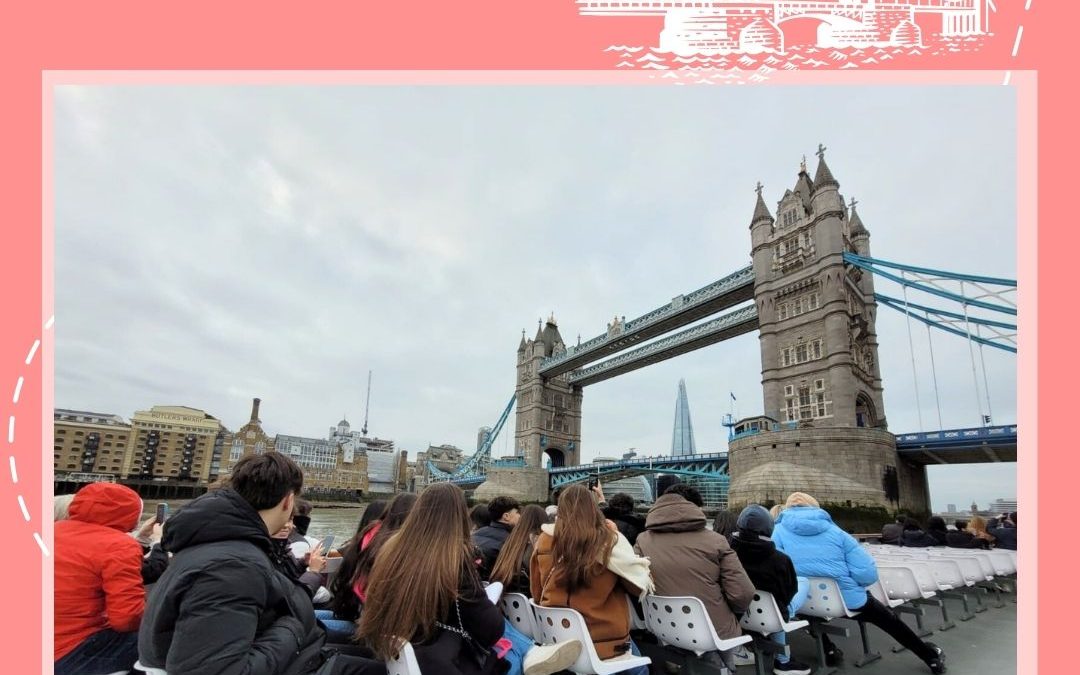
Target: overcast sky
214	244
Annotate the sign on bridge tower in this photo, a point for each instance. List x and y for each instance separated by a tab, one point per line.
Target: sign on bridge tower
548	425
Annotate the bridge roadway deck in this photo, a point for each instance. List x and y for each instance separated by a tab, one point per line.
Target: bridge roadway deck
650	328
693	340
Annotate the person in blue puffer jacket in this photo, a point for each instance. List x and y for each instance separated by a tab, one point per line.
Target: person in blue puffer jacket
818	548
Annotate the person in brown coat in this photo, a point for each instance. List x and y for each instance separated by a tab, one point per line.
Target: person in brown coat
686	558
583	562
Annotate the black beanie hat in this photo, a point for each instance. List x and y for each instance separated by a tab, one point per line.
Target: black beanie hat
755	519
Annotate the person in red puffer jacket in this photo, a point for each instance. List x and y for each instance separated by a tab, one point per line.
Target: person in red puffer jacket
99	596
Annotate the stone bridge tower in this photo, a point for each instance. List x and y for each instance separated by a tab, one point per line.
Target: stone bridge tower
819	360
548	410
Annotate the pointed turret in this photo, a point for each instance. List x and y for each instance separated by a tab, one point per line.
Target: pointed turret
549	336
521	345
823	177
761	211
855	223
804	187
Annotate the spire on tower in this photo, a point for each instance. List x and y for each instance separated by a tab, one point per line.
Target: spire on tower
823	176
761	212
855	223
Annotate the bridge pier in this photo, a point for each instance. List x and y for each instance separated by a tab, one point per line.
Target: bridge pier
525	484
838	465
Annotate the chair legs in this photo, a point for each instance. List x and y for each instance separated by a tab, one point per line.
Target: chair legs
819	629
962	597
868	656
920	629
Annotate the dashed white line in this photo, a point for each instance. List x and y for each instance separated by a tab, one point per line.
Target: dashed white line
11	429
22	505
1008	76
33	350
14	473
41	543
49	323
1016	45
18	390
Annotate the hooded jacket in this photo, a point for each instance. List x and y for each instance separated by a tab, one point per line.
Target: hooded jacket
769	570
221	607
490	541
918	539
603	601
1004	536
686	558
818	548
97	566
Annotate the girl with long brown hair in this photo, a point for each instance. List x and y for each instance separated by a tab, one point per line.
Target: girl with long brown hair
511	568
424	588
373	539
583	562
977	527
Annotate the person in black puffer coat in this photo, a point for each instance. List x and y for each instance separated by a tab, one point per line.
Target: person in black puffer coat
770	571
914	536
505	512
222	607
620	510
961	538
935	528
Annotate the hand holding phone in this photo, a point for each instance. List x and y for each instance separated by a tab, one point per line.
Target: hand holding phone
162	513
326	543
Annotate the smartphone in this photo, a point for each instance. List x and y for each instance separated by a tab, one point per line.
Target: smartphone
162	513
326	543
593	482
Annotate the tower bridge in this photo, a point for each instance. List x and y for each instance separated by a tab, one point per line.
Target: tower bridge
711	26
809	295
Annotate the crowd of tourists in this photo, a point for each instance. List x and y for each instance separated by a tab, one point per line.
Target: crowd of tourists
230	584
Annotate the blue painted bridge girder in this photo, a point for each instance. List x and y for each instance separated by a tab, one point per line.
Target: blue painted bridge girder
973	445
712	465
976	445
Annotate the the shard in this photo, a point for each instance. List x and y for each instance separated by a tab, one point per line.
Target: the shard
682	440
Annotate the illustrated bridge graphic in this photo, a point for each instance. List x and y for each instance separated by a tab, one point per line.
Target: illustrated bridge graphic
717	26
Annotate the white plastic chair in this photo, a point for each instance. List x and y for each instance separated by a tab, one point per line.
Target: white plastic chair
561	624
149	670
517	609
683	622
763	616
404	662
878	591
826	602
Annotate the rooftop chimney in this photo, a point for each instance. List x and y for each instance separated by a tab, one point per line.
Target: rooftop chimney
255	409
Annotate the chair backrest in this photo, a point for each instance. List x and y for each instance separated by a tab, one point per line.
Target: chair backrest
946	572
516	608
881	595
404	663
1004	564
900	583
562	624
683	621
763	616
825	600
150	670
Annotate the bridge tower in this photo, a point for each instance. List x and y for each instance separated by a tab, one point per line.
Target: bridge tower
548	410
819	360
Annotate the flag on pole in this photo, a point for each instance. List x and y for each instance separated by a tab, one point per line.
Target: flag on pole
733	396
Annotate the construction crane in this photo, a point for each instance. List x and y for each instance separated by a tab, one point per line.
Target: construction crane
367	402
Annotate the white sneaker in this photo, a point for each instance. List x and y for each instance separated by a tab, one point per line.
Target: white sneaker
547	659
744	657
